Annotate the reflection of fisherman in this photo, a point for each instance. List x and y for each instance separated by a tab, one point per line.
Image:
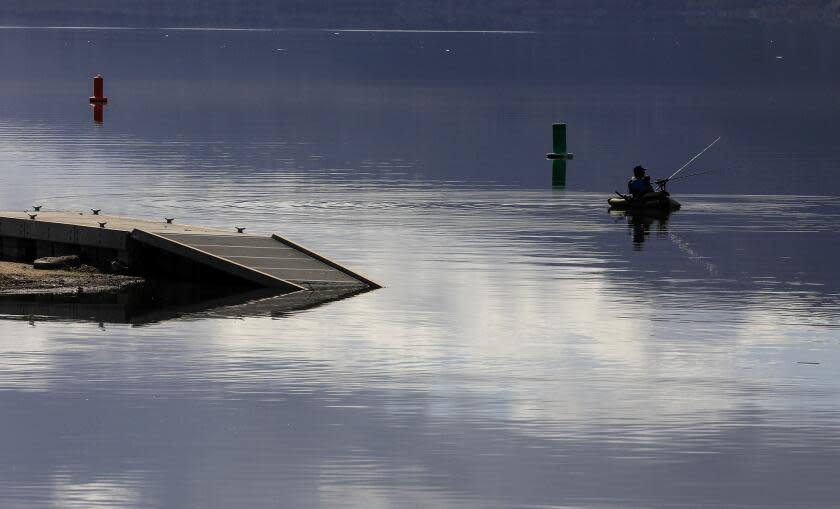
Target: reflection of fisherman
639	186
640	225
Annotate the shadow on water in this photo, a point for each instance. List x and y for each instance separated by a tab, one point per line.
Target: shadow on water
156	302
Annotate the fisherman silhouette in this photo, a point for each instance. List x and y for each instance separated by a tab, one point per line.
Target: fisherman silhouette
640	187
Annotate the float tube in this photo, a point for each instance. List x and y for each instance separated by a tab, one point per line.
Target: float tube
624	202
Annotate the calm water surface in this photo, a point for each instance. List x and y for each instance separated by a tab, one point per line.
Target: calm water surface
529	349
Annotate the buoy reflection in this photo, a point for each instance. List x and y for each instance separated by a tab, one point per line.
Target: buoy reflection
98	113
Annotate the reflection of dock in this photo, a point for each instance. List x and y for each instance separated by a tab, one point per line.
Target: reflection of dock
147	304
177	251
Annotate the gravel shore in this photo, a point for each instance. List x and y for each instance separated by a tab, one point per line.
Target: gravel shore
20	278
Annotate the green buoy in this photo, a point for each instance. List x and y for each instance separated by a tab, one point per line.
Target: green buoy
558	132
559	156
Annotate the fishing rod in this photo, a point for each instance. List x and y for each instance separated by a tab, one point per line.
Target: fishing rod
662	182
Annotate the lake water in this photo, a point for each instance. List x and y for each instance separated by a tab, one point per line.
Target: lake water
529	349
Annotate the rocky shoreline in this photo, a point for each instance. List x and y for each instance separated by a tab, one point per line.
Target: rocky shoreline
23	278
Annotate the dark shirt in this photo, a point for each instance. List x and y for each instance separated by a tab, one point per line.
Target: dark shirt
639	187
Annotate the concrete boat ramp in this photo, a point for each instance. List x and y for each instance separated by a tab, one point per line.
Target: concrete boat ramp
174	250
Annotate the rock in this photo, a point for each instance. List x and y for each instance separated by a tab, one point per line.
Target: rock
118	267
23	278
57	262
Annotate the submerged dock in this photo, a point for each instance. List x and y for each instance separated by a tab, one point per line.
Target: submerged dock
182	252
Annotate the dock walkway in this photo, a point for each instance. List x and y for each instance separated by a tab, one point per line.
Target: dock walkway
273	262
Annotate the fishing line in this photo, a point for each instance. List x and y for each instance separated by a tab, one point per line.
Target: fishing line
695	174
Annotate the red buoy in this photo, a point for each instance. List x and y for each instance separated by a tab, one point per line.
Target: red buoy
98	90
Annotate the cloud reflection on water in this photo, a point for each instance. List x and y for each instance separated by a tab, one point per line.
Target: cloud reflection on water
493	353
